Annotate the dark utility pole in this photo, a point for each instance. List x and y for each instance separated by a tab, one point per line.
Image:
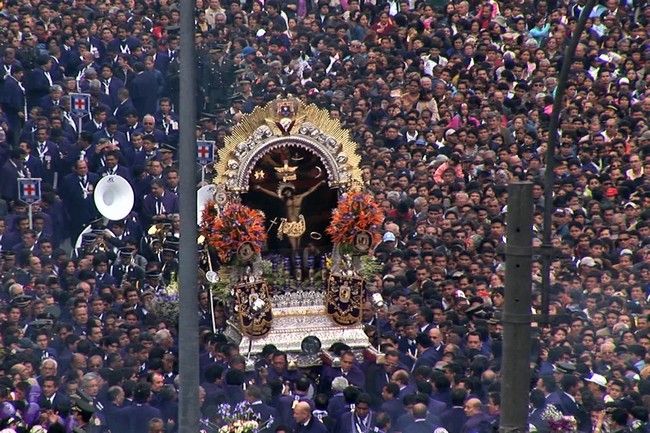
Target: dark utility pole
547	250
516	317
188	338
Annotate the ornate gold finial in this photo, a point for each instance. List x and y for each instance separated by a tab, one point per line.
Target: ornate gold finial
286	173
321	134
285	114
286	107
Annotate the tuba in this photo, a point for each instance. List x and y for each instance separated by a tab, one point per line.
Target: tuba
114	200
203	196
114	197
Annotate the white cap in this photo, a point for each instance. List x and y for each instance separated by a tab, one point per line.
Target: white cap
597	379
588	261
604	58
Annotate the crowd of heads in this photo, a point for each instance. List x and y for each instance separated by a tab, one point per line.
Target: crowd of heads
448	103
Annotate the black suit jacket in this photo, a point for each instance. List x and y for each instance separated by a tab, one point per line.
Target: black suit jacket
5	240
346	423
80	210
571	408
47	104
394	408
12	99
144	91
479	423
91	127
116	419
118	137
114	85
9	175
60	404
169	202
56	71
125	76
37	86
535	418
376	378
162	61
121	110
138	417
420	426
69	59
313	426
453	419
51	161
120	171
264	411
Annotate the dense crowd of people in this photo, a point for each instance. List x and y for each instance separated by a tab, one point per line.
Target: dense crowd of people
448	101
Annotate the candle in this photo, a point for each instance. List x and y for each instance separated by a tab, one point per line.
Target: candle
287	265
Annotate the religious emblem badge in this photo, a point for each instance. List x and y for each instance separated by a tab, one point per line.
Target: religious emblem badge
285	112
286	108
344	298
363	241
220	196
254	308
246	252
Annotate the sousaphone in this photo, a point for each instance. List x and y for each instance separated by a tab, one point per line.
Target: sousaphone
114	197
114	200
203	196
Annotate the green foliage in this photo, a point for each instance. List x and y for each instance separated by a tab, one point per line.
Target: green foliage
369	268
221	289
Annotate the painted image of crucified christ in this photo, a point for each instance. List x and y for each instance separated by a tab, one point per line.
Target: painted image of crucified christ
293	224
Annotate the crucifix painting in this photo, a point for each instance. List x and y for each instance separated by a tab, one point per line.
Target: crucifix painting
290	186
292	225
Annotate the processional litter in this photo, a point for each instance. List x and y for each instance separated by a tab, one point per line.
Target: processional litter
290	229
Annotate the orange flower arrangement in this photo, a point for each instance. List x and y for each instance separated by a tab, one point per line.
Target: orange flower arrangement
235	225
209	213
355	212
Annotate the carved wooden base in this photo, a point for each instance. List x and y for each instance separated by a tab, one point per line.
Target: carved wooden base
292	324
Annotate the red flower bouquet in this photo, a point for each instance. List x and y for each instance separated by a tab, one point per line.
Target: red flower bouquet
236	224
356	211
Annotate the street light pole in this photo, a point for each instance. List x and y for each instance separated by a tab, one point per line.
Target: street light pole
188	341
547	251
516	317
